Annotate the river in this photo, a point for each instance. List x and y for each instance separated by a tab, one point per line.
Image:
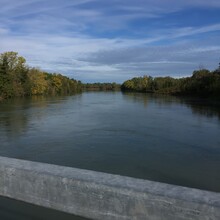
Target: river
161	138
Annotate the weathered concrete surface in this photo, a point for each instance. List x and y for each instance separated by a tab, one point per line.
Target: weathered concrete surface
103	196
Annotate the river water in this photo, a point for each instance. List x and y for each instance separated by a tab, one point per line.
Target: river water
162	138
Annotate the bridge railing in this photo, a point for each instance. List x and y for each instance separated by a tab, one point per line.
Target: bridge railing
103	196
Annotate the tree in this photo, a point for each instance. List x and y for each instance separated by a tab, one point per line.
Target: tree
16	79
39	84
13	74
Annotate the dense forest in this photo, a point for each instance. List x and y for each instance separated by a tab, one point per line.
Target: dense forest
17	79
202	83
102	86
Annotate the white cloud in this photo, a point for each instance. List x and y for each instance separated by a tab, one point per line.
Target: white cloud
102	59
68	37
189	31
3	31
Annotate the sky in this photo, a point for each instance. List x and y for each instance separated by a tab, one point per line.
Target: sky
114	40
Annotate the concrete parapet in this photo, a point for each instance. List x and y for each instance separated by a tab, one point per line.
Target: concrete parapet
103	196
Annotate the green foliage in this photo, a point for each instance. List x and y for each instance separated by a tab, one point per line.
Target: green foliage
13	75
166	85
39	83
16	79
150	84
140	84
202	83
101	86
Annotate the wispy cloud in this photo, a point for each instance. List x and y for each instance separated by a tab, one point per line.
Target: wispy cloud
95	40
189	31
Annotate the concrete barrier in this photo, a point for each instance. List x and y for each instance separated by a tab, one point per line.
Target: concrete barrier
103	196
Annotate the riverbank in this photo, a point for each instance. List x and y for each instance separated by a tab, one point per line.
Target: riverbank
202	83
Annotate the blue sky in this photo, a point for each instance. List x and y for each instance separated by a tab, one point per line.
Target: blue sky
106	41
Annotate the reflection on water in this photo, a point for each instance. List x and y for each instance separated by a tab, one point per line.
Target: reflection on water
199	106
10	119
205	108
162	138
17	115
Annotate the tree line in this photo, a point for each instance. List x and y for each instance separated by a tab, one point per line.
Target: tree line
202	83
17	79
101	86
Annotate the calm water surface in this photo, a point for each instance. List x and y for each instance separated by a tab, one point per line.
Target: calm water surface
160	138
16	210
